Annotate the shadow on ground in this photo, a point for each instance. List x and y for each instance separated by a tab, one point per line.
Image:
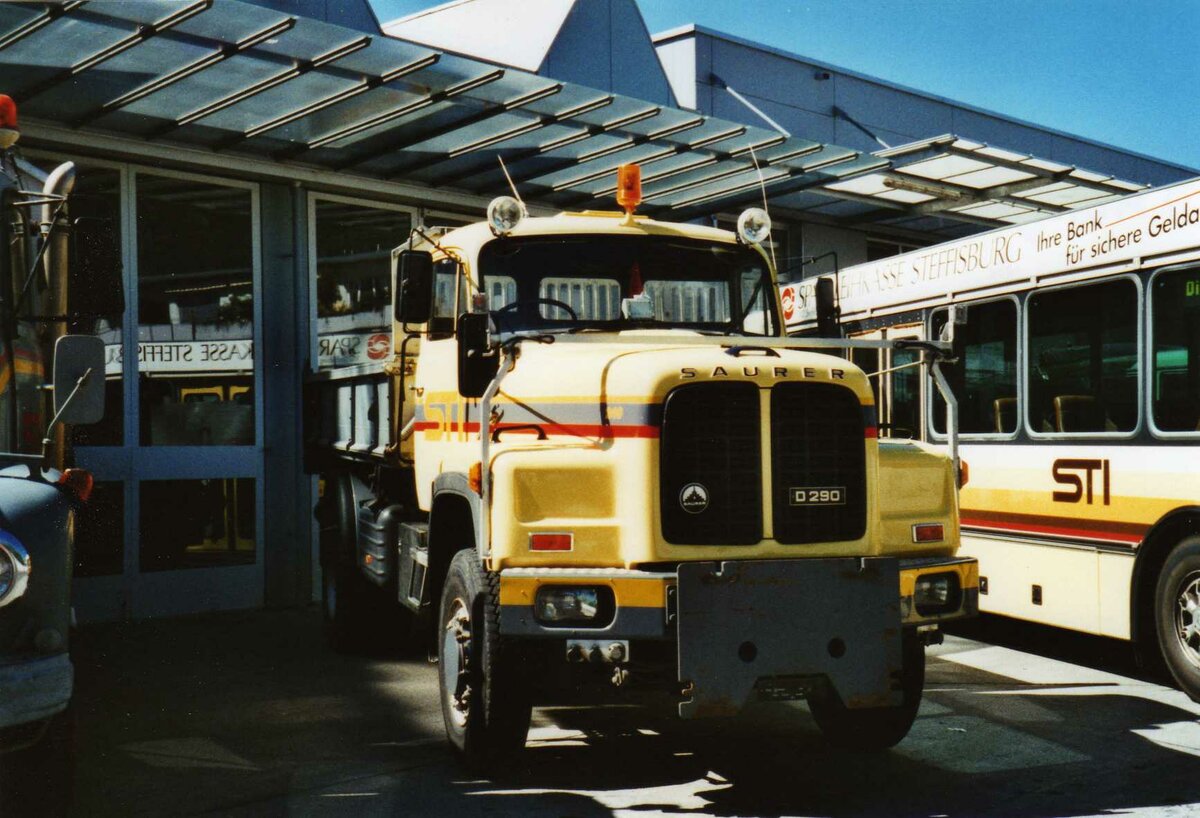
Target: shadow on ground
250	714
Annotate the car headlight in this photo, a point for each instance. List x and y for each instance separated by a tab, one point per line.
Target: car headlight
14	568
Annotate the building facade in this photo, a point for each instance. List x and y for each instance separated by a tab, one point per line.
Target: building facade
259	161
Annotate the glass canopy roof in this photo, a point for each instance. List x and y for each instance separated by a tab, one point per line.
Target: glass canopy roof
231	76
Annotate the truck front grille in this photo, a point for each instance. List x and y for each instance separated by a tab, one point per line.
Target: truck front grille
819	463
711	465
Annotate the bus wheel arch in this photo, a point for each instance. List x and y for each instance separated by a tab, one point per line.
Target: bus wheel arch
1163	538
1177	614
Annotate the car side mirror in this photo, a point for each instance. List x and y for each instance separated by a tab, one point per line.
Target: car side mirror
477	362
79	357
95	288
414	286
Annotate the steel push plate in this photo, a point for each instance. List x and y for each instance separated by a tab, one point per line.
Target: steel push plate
775	624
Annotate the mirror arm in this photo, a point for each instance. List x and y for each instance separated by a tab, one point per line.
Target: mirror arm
46	439
483	536
37	261
943	387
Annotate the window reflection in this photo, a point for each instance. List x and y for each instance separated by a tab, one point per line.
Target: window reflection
195	311
985	379
196	523
1176	330
1083	362
354	290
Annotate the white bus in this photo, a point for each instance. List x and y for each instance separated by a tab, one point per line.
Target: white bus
1079	408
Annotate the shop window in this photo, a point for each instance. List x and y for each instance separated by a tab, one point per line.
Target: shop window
1083	359
195	311
100	531
886	248
354	280
197	523
1175	322
985	378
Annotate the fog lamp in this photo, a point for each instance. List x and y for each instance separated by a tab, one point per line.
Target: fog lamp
14	568
587	606
754	225
504	213
936	593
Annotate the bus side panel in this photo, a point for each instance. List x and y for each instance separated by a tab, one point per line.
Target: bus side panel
1066	579
1116	588
1068	517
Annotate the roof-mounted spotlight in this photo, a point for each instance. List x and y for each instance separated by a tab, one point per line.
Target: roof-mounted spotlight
504	213
754	225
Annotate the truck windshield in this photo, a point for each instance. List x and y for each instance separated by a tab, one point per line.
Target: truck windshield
622	282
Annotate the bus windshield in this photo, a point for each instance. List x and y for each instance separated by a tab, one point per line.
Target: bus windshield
623	282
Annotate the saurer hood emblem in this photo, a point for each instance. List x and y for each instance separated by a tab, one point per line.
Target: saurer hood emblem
693	498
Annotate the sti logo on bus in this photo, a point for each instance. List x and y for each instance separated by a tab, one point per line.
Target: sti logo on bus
1077	474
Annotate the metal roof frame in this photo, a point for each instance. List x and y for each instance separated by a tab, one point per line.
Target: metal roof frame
247	80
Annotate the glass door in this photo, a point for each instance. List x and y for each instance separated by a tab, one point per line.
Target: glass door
184	470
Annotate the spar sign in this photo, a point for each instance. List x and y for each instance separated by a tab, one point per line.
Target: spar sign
788	298
1154	223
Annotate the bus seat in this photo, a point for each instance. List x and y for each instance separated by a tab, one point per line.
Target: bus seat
1078	413
1004	411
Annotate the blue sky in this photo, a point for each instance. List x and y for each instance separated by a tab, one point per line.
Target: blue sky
1126	73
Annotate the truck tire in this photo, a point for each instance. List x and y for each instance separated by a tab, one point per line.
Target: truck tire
1177	614
346	595
875	728
485	707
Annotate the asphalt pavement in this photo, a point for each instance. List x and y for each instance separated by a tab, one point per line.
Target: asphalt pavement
252	715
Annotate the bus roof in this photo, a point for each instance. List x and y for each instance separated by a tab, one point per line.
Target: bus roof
1159	226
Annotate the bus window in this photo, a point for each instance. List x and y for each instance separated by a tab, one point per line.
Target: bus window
985	379
905	406
868	360
1083	361
1175	322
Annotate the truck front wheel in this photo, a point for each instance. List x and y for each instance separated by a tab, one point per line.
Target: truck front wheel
485	707
875	728
1177	614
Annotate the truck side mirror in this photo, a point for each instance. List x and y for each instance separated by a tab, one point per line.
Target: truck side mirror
952	331
95	288
477	363
414	286
827	310
77	356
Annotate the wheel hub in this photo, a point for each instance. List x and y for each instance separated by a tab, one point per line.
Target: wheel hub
1187	617
456	662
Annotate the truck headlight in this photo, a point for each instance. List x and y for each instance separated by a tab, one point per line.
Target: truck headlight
14	568
588	606
937	593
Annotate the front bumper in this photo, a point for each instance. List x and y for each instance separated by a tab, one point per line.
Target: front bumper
35	689
646	603
724	633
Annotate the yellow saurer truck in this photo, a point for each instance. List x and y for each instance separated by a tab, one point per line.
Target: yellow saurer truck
594	469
